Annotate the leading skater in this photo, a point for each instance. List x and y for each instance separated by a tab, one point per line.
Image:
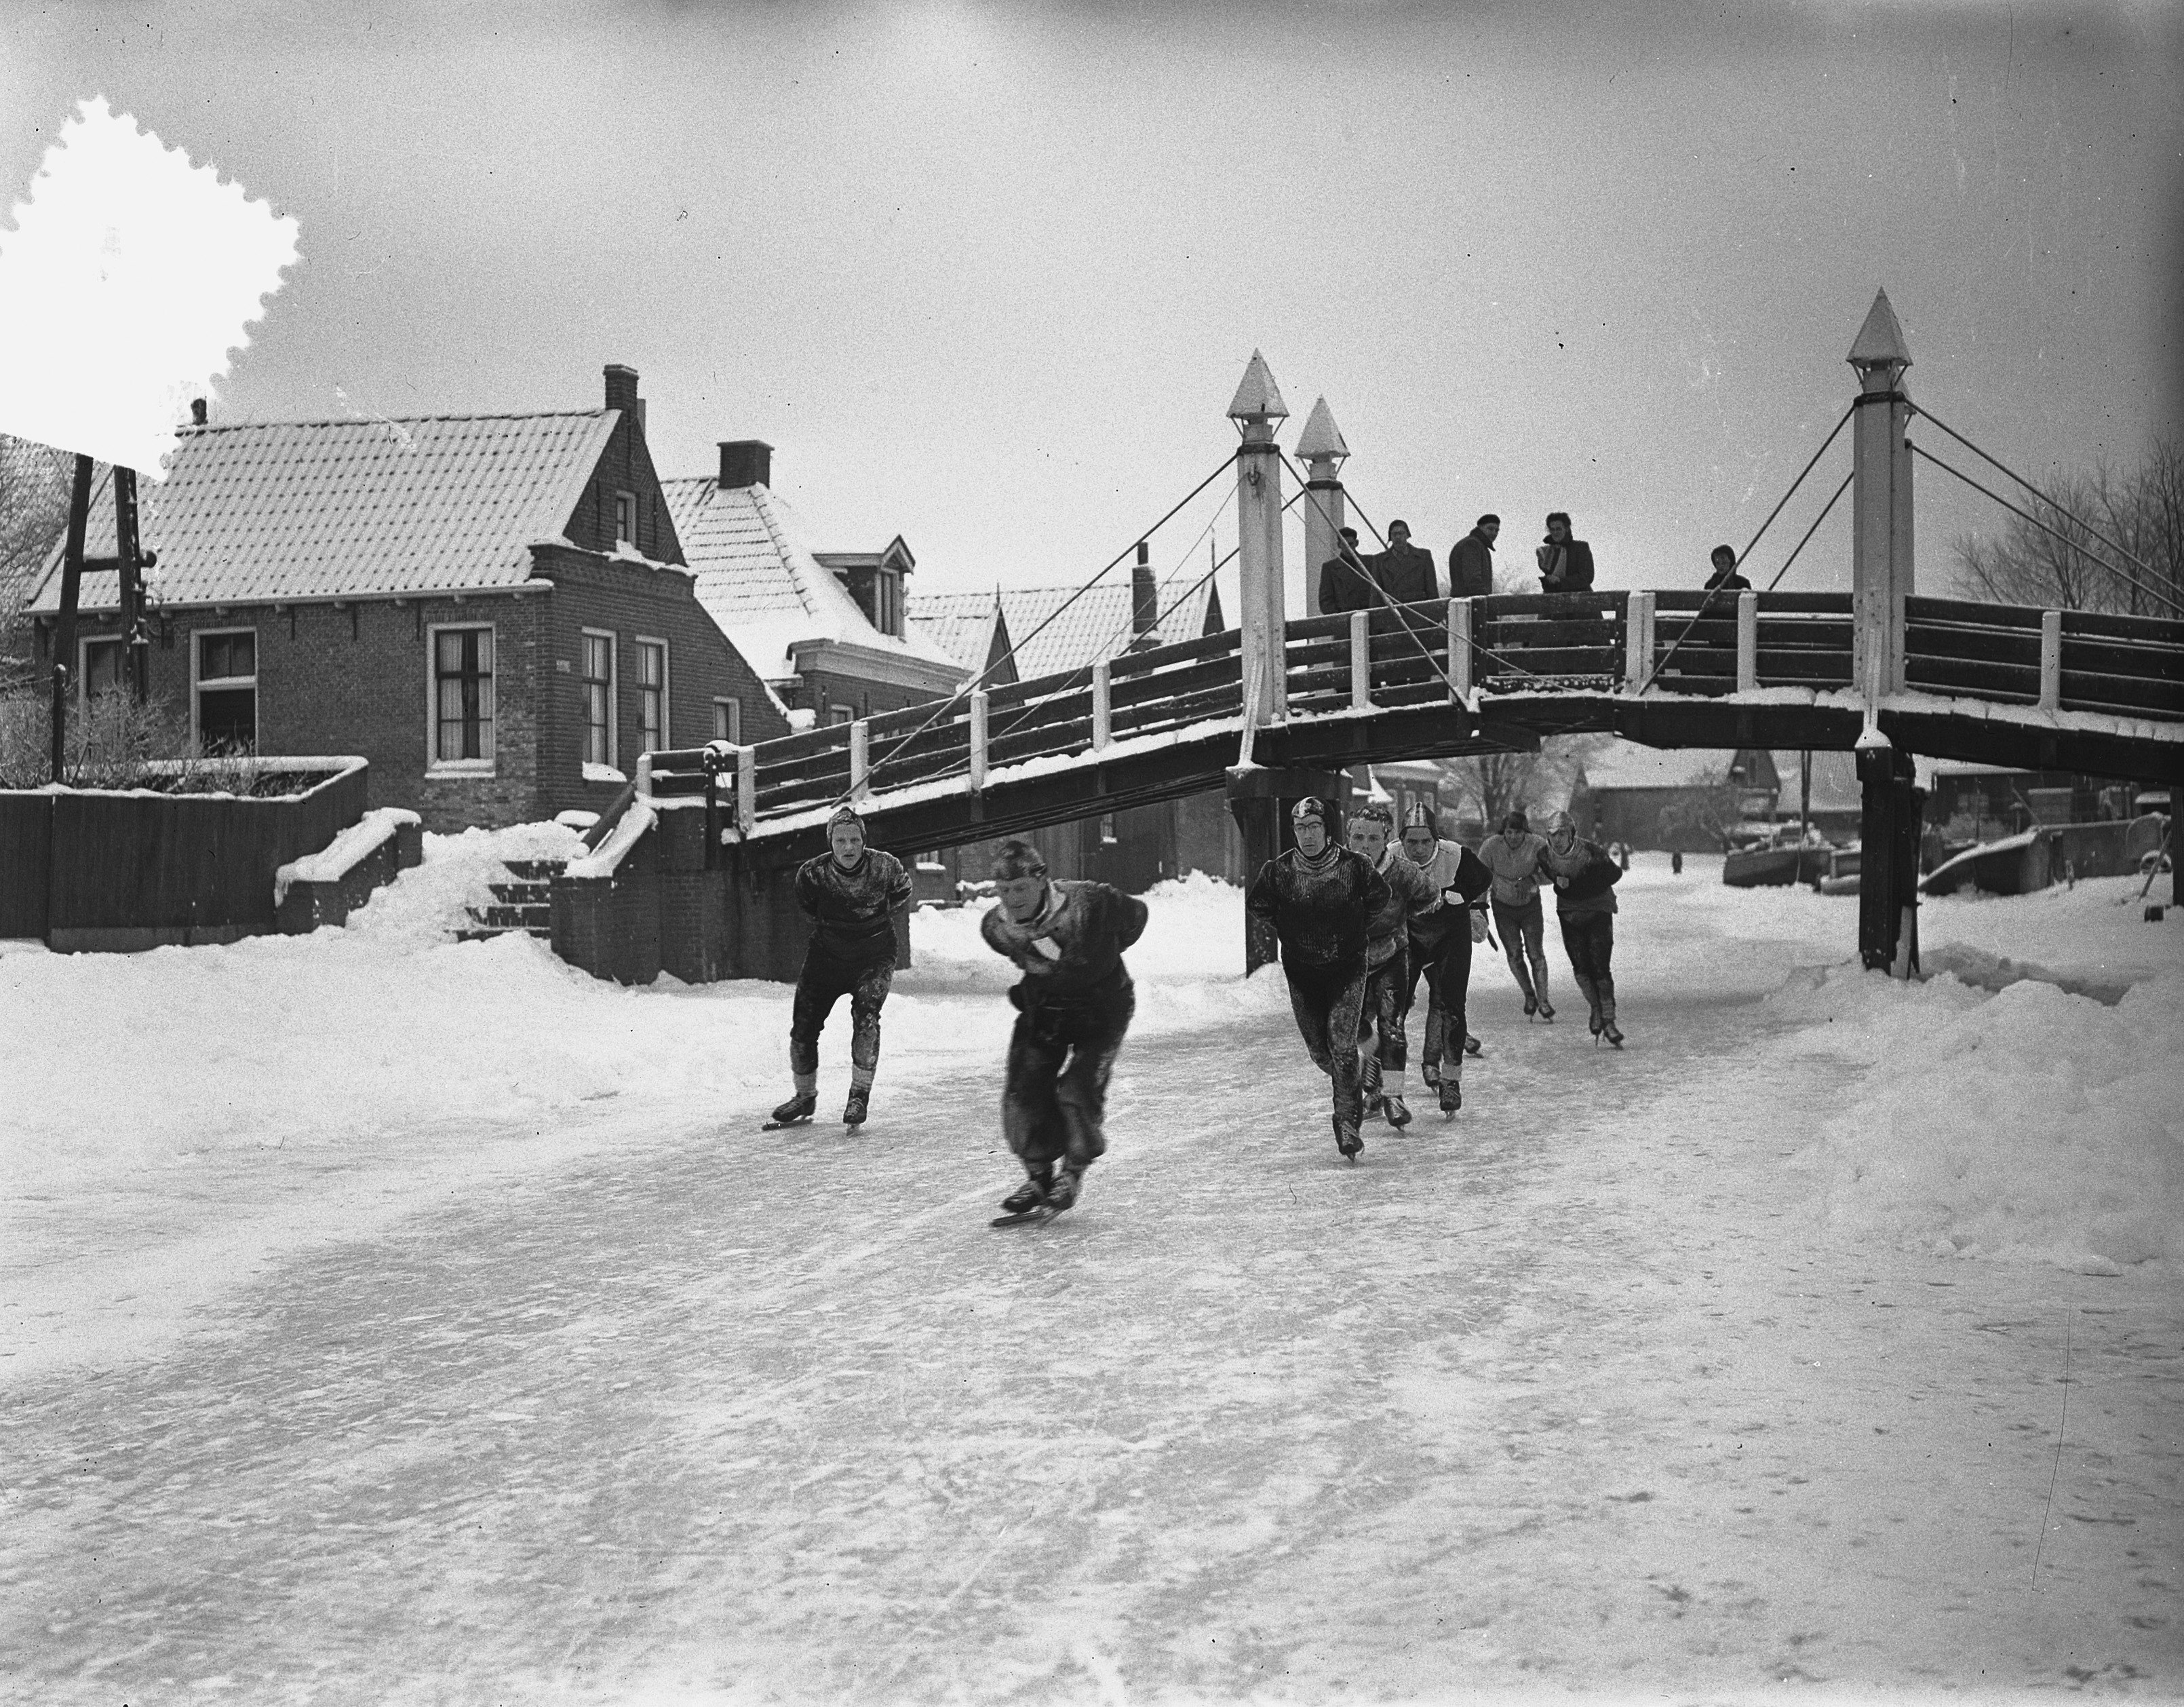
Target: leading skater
1074	1003
1440	947
851	893
1585	880
1388	982
1320	899
1513	856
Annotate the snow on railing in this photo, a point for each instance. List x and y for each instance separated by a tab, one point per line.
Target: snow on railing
345	852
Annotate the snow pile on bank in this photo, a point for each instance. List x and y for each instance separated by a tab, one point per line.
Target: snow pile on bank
425	906
2003	1114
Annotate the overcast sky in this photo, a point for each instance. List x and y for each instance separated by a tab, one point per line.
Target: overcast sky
988	277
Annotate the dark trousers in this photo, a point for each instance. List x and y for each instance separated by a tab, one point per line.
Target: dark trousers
1524	939
825	981
1327	1001
1446	965
1053	1103
1589	939
1385	1005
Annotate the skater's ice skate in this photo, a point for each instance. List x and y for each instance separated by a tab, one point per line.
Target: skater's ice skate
1452	1096
1399	1112
797	1110
1347	1139
853	1111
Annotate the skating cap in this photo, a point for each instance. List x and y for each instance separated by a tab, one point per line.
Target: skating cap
1559	822
845	814
1420	817
1372	812
1311	806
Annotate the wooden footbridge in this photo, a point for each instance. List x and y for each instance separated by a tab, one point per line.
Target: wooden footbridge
704	840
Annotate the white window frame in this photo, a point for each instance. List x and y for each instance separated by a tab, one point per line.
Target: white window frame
838	714
667	683
733	734
83	645
614	693
625	505
199	684
435	766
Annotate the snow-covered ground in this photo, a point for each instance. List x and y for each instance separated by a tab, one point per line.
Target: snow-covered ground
389	1319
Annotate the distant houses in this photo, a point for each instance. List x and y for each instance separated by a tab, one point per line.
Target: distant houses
494	609
1686	800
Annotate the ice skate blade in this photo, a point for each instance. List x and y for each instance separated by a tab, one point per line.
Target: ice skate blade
1029	1218
783	1125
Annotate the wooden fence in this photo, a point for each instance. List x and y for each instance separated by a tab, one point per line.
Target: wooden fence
92	868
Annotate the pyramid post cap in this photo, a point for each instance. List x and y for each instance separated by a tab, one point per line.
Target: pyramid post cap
1880	342
1321	437
1258	398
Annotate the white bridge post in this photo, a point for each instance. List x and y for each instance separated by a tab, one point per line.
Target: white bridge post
1748	641
860	758
1321	449
1459	652
1361	660
1256	408
977	740
746	790
1103	707
2051	661
1637	641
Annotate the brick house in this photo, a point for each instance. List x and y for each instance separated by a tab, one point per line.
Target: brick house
493	610
1016	633
825	630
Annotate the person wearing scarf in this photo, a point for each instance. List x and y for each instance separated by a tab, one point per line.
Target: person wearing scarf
1513	858
1565	564
1585	880
851	893
1382	1060
1440	939
1320	899
1073	1006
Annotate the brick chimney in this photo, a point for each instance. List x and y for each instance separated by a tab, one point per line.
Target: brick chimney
197	411
1144	597
745	462
621	392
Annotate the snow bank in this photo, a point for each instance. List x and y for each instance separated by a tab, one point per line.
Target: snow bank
424	907
2008	1109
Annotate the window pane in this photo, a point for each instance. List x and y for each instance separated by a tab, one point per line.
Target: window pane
596	657
102	666
227	720
727	722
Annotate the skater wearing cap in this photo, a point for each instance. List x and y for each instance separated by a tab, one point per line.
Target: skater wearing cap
1383	1059
1320	899
1440	942
851	893
1073	1006
1513	858
1585	880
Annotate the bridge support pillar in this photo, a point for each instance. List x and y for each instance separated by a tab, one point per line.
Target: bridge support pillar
1888	863
1255	409
1321	449
1881	507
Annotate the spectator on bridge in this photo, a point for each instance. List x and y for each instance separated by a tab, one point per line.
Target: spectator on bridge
1073	1006
1320	899
1513	858
1404	572
1346	583
1565	564
1725	575
1585	880
1410	892
1440	946
1471	560
851	893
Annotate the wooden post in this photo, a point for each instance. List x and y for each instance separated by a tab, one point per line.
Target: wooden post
1748	641
2051	661
1256	408
1103	710
1361	660
1880	506
1637	640
78	522
1321	449
977	740
860	757
1459	652
746	790
127	550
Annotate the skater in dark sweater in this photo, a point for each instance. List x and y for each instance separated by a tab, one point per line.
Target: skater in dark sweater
1440	947
1585	880
1073	1006
851	895
1382	1058
1320	899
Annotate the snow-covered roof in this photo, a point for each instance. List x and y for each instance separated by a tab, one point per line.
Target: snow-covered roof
764	586
961	624
1056	628
1628	765
331	509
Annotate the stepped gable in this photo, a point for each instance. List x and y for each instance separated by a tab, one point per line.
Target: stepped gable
265	511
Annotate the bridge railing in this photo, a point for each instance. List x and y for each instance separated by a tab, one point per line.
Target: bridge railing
1678	643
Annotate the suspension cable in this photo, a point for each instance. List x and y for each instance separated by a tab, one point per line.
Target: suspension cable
2150	592
1713	592
2113	544
969	683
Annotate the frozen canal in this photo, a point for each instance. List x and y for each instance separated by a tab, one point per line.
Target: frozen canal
1584	1391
